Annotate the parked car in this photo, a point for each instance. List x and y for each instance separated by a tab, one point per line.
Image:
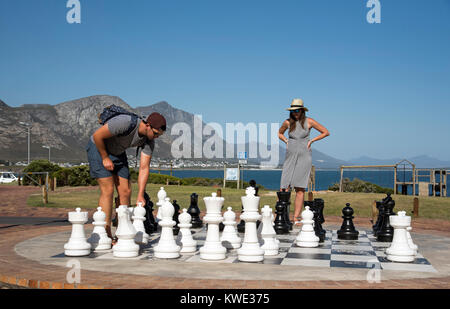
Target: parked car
7	177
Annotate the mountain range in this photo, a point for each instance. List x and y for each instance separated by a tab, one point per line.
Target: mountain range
66	128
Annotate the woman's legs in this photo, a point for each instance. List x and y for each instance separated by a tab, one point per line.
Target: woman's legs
299	199
106	199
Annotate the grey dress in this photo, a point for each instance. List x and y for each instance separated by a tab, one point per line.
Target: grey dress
297	166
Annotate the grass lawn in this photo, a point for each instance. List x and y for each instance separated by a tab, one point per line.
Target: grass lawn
429	207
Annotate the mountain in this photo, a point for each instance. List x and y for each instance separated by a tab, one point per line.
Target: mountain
423	161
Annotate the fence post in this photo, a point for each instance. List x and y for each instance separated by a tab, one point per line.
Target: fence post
374	212
44	194
19	181
219	192
310	196
416	207
55	183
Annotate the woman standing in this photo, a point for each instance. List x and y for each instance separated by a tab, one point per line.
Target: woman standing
297	166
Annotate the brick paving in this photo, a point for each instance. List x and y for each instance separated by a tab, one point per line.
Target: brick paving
18	271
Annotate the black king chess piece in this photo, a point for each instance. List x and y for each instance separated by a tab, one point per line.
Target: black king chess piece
150	224
386	231
176	228
241	225
194	211
281	225
347	231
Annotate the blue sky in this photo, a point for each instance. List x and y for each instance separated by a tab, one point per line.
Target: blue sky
381	89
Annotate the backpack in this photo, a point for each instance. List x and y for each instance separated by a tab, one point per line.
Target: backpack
113	111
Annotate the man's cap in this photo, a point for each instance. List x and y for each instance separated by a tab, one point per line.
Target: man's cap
157	121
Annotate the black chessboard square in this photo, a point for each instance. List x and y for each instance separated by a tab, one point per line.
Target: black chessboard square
351	242
353	252
273	261
355	264
310	256
200	238
285	240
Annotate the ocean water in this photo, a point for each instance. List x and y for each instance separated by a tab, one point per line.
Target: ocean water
270	179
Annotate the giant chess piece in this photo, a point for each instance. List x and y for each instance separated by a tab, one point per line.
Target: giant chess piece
150	223
77	245
213	248
287	212
281	226
176	214
410	241
99	240
386	231
250	250
125	246
194	211
162	194
241	225
270	245
399	251
381	208
307	237
167	247
138	223
347	231
188	244
320	232
230	238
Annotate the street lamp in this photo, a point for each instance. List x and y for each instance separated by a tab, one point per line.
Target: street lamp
48	147
29	130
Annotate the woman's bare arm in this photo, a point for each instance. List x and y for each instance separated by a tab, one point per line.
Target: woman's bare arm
282	130
324	132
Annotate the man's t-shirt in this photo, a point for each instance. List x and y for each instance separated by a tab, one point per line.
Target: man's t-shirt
117	145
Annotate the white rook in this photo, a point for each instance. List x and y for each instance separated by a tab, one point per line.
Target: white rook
125	246
99	240
213	249
400	251
167	247
77	245
250	250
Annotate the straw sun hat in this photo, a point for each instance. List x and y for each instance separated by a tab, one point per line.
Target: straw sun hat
297	104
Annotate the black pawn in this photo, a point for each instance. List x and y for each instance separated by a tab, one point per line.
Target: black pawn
386	231
281	226
150	224
176	228
347	231
194	211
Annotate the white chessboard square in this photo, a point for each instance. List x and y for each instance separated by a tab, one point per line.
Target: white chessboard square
110	256
353	247
309	250
408	267
306	262
355	258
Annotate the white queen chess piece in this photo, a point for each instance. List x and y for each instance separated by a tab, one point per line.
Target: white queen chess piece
77	245
99	240
230	238
162	194
212	248
138	223
250	250
270	245
400	251
307	237
125	246
167	247
188	244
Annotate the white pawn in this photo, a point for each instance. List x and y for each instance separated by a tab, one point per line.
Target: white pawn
99	240
138	223
162	194
212	248
188	244
125	246
400	251
270	245
167	247
250	250
307	237
410	241
77	245
230	238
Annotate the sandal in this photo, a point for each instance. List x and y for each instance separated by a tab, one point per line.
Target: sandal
114	241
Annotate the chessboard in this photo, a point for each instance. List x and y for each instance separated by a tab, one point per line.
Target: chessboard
366	252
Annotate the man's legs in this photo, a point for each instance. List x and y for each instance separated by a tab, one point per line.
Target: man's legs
123	186
106	199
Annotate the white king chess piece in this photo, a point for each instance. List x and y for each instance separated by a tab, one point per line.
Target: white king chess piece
125	246
250	250
77	245
188	244
99	240
270	245
162	194
212	248
400	251
138	223
167	247
230	238
307	237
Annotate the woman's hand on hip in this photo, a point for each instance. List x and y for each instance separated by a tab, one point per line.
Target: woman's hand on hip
309	144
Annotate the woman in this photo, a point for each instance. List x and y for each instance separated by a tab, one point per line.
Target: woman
297	166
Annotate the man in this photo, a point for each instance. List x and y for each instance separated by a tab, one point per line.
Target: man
108	160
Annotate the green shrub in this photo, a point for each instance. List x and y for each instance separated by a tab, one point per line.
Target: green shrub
79	176
39	166
358	185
